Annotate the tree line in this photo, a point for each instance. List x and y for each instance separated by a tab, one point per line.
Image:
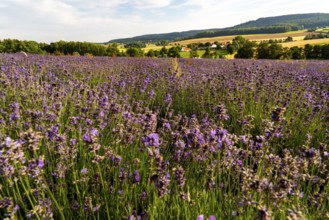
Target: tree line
244	31
84	48
59	48
243	48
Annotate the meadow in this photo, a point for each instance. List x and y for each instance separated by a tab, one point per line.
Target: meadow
142	138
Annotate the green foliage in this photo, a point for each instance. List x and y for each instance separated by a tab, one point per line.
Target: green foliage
112	50
289	39
162	43
207	53
316	36
300	21
267	50
297	53
163	52
67	48
158	38
14	46
194	53
153	53
247	50
135	52
174	52
244	31
135	45
236	44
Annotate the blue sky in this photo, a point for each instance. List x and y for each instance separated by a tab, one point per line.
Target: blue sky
103	20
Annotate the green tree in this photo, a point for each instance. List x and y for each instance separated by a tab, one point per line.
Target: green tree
112	50
2	47
247	50
296	53
207	53
135	52
150	53
325	51
236	44
174	51
276	51
163	52
317	52
308	51
263	51
289	39
194	53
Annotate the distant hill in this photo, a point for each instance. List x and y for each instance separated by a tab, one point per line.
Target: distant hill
302	21
160	37
277	24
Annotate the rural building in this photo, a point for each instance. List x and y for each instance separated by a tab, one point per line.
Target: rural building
185	49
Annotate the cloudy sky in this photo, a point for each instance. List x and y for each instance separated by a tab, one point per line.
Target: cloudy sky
103	20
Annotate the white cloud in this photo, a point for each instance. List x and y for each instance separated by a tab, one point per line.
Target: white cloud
151	3
102	20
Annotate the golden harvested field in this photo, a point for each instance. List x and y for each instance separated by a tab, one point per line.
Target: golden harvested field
254	37
302	43
152	47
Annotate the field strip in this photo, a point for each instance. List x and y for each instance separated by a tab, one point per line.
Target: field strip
304	42
254	37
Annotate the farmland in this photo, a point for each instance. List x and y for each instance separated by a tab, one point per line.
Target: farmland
255	37
301	43
141	138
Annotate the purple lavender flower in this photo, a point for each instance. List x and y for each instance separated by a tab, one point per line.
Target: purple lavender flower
117	160
144	196
41	162
151	140
94	132
7	141
151	94
168	99
73	141
84	171
135	177
52	132
200	217
86	138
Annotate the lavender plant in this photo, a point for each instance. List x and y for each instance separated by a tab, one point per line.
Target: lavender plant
121	138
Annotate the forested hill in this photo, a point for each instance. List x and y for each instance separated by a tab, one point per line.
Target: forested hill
276	24
312	20
160	37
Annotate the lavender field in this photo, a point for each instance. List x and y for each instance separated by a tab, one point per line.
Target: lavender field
124	138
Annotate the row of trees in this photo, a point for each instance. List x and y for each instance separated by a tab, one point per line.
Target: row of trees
241	47
266	50
84	48
164	52
316	36
249	30
13	46
59	48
